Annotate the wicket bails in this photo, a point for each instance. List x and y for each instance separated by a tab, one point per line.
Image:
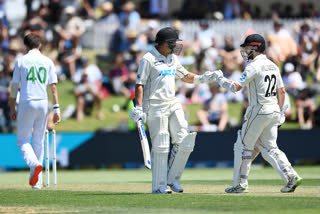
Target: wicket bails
54	157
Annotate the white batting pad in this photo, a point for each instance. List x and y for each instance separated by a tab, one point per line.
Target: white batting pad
245	167
237	160
159	162
179	157
279	161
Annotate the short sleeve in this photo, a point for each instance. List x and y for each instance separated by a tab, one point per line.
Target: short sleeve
180	70
246	77
52	74
143	71
279	82
16	72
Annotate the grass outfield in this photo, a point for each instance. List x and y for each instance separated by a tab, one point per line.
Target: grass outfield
127	191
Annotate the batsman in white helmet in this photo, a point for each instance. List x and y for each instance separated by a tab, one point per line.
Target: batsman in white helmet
264	114
156	104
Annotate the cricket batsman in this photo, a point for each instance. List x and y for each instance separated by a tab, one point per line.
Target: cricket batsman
33	72
264	114
156	104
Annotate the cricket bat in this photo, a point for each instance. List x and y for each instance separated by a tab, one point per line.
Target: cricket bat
144	142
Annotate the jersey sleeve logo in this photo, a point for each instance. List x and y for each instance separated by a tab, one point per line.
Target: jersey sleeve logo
243	77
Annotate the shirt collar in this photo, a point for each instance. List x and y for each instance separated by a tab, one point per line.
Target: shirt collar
34	51
261	56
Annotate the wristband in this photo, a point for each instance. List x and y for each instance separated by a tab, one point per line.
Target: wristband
139	107
56	108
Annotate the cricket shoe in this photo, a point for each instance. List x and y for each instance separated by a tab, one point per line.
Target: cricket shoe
175	187
162	190
34	176
292	184
38	185
237	189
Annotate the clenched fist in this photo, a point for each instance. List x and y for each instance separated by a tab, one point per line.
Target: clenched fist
136	114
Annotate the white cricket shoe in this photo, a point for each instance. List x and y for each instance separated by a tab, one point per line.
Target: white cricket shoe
162	190
34	175
175	187
237	189
292	184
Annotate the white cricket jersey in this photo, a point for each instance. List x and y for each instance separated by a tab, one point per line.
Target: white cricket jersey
157	73
34	71
262	78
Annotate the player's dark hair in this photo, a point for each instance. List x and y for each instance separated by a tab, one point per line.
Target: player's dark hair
32	40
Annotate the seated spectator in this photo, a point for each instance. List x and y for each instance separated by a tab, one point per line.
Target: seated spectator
150	34
109	19
87	94
118	75
122	40
215	111
67	59
305	105
203	38
211	56
232	9
71	27
5	121
292	80
129	16
231	57
87	9
95	75
128	88
200	93
273	51
283	39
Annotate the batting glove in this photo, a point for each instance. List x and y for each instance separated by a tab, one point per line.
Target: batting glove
217	75
137	113
282	116
207	77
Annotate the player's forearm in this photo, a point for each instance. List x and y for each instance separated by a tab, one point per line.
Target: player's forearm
54	93
12	103
189	78
139	95
281	95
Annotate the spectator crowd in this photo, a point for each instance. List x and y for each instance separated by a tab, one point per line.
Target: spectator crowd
132	29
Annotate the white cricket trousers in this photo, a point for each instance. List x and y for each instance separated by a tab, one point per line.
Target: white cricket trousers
32	122
260	126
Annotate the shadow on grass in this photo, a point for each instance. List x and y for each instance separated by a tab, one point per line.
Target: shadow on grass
113	193
258	182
